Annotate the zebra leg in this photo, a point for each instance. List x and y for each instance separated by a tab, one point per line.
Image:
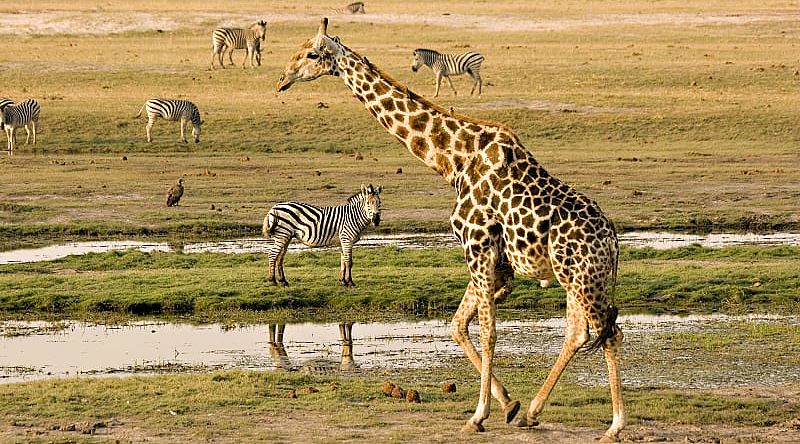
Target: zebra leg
230	57
455	93
247	55
148	128
33	130
279	264
12	139
346	273
478	83
438	83
183	125
27	134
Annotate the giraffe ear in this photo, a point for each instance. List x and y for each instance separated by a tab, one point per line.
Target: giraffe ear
337	40
323	26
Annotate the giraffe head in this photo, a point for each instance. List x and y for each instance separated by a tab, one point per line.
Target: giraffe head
372	202
314	59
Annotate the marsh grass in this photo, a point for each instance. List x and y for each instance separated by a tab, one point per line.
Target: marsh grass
391	282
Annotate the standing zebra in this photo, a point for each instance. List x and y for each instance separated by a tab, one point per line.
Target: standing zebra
228	39
446	65
318	227
175	110
352	8
15	116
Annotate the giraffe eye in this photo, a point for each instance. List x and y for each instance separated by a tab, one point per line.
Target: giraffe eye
312	55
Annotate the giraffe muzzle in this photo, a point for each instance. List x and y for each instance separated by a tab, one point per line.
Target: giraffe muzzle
282	84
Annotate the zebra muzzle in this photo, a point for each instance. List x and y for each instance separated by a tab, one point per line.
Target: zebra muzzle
376	220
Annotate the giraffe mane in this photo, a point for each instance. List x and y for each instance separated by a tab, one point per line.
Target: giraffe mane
416	97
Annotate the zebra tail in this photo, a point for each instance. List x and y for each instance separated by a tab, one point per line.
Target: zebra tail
140	111
270	223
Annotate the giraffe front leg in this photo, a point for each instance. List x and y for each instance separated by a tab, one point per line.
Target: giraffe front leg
459	331
611	351
487	312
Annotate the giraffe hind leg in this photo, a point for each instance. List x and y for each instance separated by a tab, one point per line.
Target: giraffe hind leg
576	335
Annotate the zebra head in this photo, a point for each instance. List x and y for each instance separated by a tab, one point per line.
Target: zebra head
314	59
260	29
372	203
421	57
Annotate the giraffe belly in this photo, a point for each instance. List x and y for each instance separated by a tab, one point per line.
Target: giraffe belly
532	266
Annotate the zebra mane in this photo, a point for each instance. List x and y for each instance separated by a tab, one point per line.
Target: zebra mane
416	97
355	197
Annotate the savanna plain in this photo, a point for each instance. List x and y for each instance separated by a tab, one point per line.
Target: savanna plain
674	116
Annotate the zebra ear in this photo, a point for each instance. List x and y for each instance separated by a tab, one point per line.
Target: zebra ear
363	188
379	190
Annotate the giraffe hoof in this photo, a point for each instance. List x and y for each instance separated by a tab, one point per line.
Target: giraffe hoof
525	423
284	284
471	427
606	438
511	411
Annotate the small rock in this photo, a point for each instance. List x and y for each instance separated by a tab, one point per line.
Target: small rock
694	83
398	393
756	284
412	396
309	390
212	207
399	171
449	387
318	173
292	394
124	157
359	156
334	386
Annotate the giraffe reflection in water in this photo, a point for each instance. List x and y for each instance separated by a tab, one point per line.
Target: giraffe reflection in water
280	358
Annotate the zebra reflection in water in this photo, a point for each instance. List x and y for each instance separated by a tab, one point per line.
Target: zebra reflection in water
280	358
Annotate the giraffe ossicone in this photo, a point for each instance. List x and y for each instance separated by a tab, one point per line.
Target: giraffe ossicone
511	217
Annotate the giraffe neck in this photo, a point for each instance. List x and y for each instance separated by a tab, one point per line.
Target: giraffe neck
438	139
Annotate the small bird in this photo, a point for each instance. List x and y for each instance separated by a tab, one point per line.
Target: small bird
175	193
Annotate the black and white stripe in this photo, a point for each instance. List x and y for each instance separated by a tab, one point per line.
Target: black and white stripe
25	114
321	226
228	39
352	8
173	109
446	65
4	102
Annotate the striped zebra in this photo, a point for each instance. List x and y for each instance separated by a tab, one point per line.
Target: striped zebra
446	65
4	102
175	110
352	8
228	39
25	114
318	227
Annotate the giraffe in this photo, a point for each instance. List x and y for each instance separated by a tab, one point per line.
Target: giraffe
511	217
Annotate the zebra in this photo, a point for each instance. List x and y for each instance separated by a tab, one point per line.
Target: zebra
173	109
15	116
4	102
445	65
317	227
352	8
228	39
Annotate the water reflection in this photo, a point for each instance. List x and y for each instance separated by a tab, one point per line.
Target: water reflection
280	358
667	351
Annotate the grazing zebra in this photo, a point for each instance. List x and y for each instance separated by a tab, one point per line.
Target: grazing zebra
318	227
173	109
352	8
4	102
15	116
228	39
446	65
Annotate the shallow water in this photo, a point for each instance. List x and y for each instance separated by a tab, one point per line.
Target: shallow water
440	240
653	352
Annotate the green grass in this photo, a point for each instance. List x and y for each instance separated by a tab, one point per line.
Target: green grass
391	282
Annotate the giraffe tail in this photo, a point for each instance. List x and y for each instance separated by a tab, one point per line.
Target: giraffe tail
608	331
